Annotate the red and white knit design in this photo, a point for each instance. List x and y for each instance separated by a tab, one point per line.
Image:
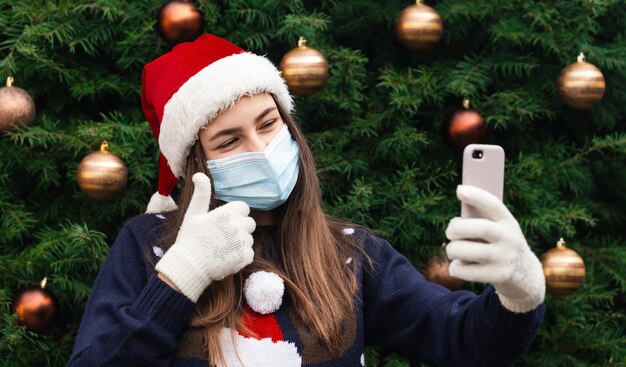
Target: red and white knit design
267	348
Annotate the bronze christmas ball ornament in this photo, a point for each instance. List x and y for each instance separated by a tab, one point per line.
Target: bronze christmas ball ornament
179	21
465	127
436	271
101	174
564	270
304	69
581	84
16	107
418	26
36	308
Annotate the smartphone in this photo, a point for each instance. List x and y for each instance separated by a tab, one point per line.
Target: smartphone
483	167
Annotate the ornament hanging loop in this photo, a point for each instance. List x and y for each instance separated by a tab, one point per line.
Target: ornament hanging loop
10	81
43	282
581	57
560	243
419	2
104	146
302	42
466	103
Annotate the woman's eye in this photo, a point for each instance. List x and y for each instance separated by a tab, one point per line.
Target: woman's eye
227	143
268	124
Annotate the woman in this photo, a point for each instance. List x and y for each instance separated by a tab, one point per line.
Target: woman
248	270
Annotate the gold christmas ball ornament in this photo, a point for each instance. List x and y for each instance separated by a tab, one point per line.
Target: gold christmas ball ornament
581	84
16	107
36	307
564	270
418	26
304	69
464	127
436	271
179	21
101	174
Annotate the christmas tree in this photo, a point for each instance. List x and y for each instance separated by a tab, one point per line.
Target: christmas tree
377	129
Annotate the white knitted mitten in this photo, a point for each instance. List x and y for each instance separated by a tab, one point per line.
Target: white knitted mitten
495	251
210	244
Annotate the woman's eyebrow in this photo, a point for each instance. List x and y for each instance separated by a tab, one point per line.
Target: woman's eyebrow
263	114
225	132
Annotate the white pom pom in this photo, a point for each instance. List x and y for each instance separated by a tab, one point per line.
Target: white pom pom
159	203
264	291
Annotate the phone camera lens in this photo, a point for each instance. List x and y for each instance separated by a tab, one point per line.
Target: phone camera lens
477	154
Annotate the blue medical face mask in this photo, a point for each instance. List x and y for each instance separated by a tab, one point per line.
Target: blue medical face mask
263	180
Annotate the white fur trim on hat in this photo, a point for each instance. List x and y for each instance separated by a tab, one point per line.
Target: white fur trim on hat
159	204
209	92
264	291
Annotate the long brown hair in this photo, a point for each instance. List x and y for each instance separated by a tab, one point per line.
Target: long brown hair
311	257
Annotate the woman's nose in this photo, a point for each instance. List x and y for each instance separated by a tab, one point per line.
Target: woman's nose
256	143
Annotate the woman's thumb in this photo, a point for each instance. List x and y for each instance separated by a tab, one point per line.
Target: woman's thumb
201	197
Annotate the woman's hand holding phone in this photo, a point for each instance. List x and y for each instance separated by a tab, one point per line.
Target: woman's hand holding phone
487	244
504	259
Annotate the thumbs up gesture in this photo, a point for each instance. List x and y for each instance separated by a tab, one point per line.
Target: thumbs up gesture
494	250
210	244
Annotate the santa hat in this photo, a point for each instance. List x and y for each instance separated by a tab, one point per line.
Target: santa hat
261	342
183	90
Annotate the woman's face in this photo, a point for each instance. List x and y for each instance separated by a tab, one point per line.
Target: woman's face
248	126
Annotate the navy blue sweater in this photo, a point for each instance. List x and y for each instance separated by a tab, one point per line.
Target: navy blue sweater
132	318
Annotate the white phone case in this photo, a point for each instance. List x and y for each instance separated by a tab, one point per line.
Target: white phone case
483	167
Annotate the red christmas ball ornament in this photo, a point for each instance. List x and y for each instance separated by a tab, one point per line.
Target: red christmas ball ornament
436	271
179	21
466	127
36	308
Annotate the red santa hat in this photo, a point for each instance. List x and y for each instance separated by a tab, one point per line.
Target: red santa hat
261	342
183	90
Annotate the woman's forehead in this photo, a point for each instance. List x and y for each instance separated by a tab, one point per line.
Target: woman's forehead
244	111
